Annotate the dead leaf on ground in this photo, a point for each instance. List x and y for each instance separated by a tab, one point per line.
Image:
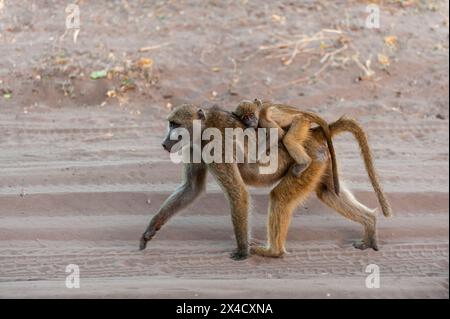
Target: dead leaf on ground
391	41
127	85
145	63
61	60
383	60
118	69
278	19
111	93
6	93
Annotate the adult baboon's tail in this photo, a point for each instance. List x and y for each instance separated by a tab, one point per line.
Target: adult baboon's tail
349	125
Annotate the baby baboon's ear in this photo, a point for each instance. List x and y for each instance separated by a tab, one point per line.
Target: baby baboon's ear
258	102
201	114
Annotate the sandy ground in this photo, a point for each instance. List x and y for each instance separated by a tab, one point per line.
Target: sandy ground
82	173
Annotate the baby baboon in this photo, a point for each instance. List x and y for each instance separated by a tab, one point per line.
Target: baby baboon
290	191
293	128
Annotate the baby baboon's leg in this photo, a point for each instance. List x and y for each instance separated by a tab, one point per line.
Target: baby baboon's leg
293	141
347	205
284	198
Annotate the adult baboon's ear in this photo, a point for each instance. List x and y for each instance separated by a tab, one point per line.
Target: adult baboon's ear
201	114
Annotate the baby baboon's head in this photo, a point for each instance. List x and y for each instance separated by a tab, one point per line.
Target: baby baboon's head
248	113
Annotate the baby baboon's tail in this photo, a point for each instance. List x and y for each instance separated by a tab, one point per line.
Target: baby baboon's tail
349	125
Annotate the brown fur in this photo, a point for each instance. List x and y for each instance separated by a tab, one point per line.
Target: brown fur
297	124
284	198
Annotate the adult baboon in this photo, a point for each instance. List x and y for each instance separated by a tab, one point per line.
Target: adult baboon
284	197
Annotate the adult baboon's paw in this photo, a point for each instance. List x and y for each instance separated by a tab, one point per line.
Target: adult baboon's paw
258	250
239	255
256	242
365	244
265	252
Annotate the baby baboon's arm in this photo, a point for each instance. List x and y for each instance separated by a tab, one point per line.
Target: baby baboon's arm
266	121
194	180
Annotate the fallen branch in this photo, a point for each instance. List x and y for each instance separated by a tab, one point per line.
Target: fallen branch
153	47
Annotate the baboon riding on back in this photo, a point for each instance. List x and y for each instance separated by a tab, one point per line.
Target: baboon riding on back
289	192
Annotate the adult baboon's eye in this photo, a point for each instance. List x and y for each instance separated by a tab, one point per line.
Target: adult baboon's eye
173	124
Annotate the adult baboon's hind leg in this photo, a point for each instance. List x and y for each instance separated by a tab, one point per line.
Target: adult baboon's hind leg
347	205
284	198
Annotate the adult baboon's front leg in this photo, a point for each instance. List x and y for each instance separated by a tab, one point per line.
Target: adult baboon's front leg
229	178
194	179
